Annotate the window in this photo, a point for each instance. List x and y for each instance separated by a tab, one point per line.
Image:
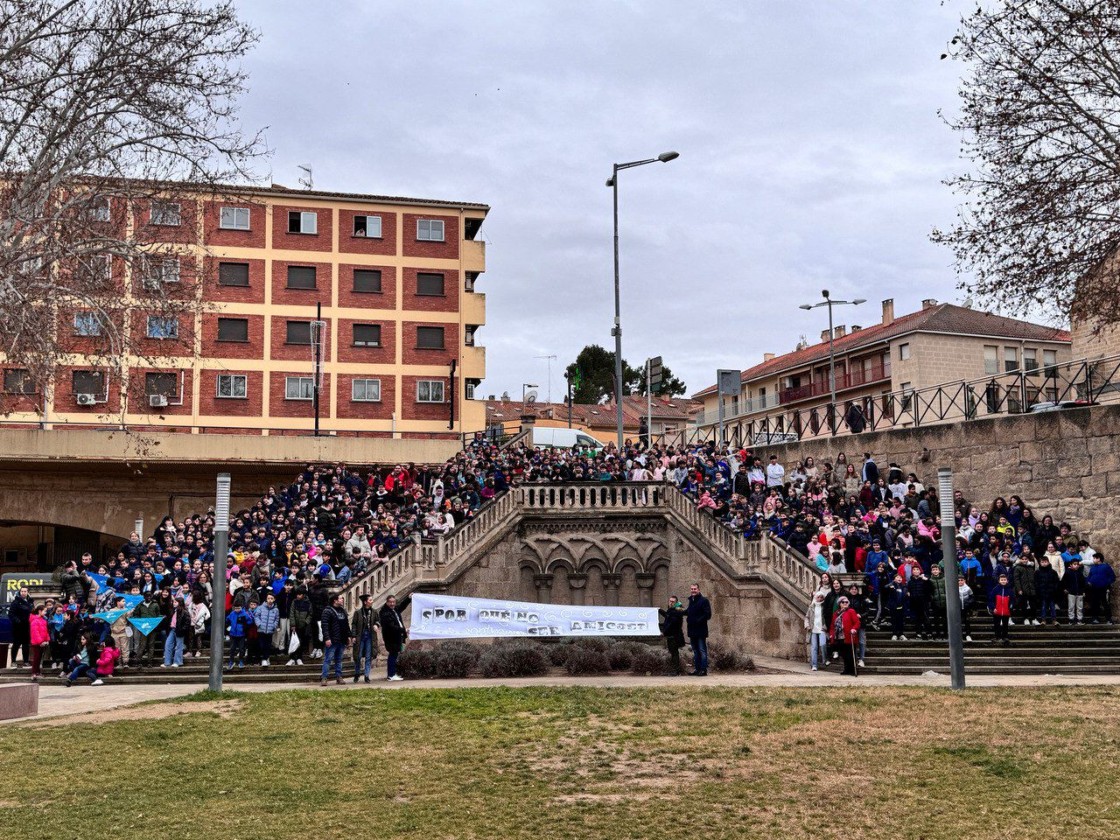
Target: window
234	218
429	230
429	338
367	335
991	359
429	284
904	351
299	387
298	332
99	268
87	324
163	327
299	222
907	395
1030	360
159	270
429	391
233	329
1010	359
89	382
468	392
233	274
233	386
301	277
18	381
367	226
161	384
365	390
99	210
166	213
367	281
1050	360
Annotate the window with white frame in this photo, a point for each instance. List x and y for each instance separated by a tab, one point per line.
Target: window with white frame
233	386
161	270
161	384
299	387
99	210
89	382
300	221
468	390
429	230
166	213
1050	358
1030	360
904	351
163	327
991	358
1010	359
234	218
87	323
429	391
365	390
369	226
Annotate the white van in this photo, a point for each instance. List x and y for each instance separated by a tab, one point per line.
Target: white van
563	438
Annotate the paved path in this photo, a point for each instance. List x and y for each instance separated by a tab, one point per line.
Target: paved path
57	700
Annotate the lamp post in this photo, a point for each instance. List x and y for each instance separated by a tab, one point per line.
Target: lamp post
525	386
612	182
829	302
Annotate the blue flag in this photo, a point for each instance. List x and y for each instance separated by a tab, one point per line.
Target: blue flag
131	601
101	580
109	616
145	625
58	619
158	577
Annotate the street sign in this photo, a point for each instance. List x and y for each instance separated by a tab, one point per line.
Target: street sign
729	382
655	373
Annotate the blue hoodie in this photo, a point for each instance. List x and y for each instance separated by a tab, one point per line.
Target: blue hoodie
239	622
1101	575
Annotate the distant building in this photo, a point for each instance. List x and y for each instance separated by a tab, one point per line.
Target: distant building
878	366
671	416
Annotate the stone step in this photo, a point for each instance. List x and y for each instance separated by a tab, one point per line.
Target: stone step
979	670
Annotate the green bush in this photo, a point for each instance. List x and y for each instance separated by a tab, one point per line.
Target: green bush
558	653
623	654
417	664
455	661
651	661
722	657
524	659
596	643
584	660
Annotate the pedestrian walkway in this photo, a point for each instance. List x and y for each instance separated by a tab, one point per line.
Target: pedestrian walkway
59	701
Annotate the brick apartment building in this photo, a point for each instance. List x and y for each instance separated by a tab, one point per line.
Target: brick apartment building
878	365
395	280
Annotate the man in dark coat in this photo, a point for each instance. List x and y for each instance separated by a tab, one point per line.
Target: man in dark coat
393	632
336	638
672	628
19	612
698	614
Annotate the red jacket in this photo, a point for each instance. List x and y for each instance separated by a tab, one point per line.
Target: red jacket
850	624
107	661
39	631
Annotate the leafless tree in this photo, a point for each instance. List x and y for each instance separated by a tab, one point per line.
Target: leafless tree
116	117
1040	122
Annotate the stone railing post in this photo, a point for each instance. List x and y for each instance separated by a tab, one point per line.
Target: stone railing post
611	584
544	588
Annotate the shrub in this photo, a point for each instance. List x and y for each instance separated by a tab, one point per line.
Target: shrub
596	643
417	664
584	660
455	662
513	660
622	654
651	660
722	657
558	653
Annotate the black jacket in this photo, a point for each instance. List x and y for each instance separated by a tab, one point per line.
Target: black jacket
393	632
698	615
1046	581
336	626
672	624
19	611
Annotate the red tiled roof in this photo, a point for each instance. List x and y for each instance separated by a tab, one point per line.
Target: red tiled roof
602	415
945	318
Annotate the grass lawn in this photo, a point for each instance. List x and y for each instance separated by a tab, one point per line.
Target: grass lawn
577	762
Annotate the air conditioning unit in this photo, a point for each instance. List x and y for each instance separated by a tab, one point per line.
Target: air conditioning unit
157	400
86	399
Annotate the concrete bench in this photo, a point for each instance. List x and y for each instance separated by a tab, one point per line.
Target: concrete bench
19	700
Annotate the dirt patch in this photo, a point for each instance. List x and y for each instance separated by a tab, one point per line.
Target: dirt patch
153	711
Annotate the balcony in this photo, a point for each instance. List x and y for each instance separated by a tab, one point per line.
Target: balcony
474	309
733	411
474	255
852	379
474	363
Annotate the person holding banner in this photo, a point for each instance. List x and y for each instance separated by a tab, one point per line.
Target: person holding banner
698	614
19	613
672	628
393	633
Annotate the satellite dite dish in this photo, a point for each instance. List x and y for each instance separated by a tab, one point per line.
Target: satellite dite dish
530	397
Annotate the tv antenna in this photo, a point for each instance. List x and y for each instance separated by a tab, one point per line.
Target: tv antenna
550	359
306	182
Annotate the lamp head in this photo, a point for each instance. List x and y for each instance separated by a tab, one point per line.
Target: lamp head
858	301
610	181
806	306
824	293
665	157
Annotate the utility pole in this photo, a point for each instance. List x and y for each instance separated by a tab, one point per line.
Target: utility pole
218	610
568	379
949	568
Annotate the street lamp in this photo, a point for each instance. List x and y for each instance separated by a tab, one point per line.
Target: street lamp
612	182
829	302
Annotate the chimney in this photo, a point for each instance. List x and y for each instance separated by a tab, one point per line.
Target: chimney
929	303
766	357
856	328
841	331
824	335
888	311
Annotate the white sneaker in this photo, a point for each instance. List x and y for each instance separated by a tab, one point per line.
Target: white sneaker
861	664
264	663
396	677
98	682
902	639
1011	622
968	638
174	664
895	638
163	664
290	662
1036	622
835	656
299	661
814	667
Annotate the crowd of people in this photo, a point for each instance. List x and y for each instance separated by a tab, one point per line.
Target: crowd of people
291	550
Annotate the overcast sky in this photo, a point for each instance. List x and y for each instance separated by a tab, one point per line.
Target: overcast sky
811	157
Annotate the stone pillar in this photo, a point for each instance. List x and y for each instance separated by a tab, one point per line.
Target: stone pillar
645	582
610	589
544	588
528	421
578	583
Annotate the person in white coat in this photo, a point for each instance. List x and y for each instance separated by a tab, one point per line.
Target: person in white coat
818	633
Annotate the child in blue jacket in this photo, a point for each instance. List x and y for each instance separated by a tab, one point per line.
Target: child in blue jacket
239	622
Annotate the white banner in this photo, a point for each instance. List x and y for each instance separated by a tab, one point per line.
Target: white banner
449	617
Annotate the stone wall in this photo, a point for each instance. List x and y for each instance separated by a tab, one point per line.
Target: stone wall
1062	463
